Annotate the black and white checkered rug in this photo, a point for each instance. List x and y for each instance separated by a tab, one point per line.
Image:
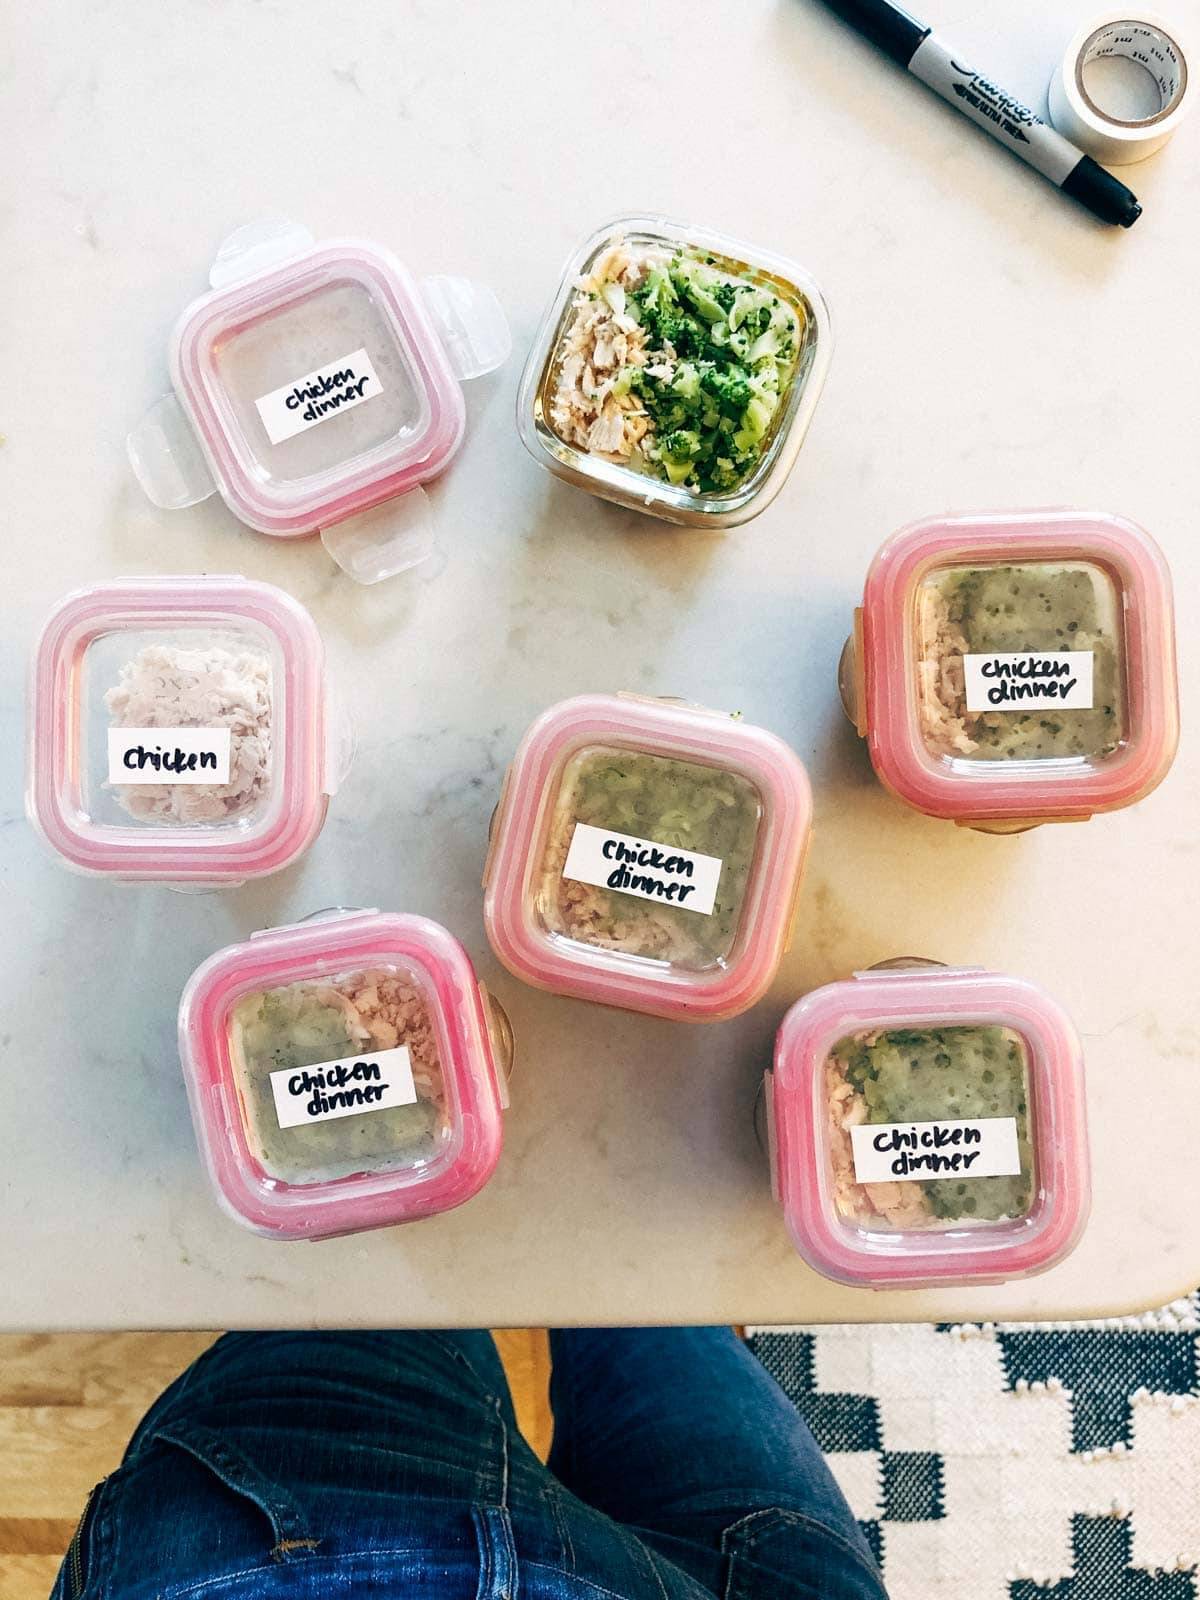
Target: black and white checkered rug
1012	1461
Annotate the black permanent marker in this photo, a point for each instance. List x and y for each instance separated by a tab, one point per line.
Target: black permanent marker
915	46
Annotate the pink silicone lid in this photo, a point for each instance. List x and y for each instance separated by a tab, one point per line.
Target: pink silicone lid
416	452
970	791
59	692
589	972
312	950
912	1258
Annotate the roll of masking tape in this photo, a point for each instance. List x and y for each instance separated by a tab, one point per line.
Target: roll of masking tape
1155	70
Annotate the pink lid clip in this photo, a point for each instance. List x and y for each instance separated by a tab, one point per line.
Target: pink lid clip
1018	668
344	1073
648	854
929	1126
180	730
314	384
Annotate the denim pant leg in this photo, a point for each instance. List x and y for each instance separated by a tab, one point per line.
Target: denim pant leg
293	1466
682	1435
280	1459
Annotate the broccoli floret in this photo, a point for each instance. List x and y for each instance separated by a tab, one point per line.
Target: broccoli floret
682	445
656	291
686	382
729	387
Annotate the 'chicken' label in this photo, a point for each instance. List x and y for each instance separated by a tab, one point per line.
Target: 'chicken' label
338	386
1019	680
666	873
975	1147
343	1088
168	755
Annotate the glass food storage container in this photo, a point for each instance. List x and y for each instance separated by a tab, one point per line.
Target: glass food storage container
181	730
928	1126
314	384
347	1072
1008	669
676	372
647	854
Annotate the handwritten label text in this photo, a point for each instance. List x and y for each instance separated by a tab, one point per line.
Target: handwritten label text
168	755
976	1147
338	386
666	873
343	1088
1017	679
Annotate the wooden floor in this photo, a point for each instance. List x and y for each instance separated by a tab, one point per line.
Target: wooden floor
69	1402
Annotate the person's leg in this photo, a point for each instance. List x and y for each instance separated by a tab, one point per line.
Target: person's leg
305	1449
386	1462
681	1434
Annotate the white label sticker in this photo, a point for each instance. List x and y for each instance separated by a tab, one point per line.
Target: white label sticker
974	1147
661	872
345	1088
338	386
168	755
1013	680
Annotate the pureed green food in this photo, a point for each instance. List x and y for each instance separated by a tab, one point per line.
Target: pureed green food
305	1025
658	801
1038	608
922	1075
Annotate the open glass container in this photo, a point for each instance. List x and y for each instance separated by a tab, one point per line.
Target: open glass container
181	730
348	1072
1008	669
316	388
647	854
578	410
928	1126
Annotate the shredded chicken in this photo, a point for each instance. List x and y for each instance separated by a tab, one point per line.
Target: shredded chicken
384	1011
167	687
598	917
900	1205
941	681
600	340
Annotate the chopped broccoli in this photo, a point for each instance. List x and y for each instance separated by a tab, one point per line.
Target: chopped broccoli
683	444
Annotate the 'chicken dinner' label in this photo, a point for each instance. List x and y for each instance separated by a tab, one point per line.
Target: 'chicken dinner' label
339	386
666	873
168	755
975	1147
343	1088
1015	680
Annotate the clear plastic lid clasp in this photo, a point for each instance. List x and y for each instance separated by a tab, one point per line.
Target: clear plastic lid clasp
167	459
471	323
388	539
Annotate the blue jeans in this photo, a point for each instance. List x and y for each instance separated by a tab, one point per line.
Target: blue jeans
318	1464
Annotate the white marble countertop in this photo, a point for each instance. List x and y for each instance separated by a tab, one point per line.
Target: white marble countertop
995	348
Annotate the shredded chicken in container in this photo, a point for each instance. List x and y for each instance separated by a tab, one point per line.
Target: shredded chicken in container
672	803
601	340
674	367
165	686
1038	607
912	1075
310	1024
